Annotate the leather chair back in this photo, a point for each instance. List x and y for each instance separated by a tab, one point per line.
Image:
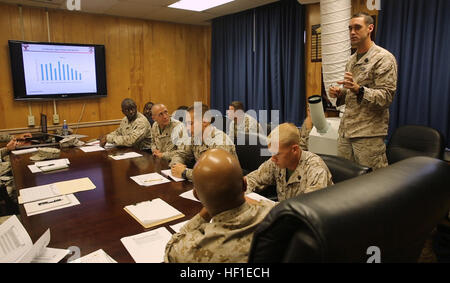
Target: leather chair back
342	169
414	140
393	209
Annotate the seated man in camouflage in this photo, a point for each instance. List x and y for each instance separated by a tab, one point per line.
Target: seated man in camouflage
5	166
167	134
223	230
292	170
204	136
240	121
134	129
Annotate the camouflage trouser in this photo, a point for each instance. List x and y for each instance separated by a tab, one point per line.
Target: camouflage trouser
370	152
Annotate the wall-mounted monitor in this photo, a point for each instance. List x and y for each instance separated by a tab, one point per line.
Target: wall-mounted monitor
47	70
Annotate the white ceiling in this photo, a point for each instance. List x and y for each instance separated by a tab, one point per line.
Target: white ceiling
149	9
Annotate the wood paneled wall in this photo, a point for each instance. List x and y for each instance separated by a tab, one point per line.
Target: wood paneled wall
145	60
314	69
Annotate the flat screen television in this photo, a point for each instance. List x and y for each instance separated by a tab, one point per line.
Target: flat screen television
48	70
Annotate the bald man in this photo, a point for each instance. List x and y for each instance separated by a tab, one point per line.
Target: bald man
167	134
293	170
134	130
223	230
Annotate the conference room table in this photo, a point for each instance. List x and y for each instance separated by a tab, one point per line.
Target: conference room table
100	221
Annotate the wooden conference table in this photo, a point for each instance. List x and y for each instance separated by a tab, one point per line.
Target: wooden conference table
100	221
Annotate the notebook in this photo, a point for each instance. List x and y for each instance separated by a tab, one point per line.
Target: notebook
152	213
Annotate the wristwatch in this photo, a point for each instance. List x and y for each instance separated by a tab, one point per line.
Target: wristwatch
183	175
361	91
360	94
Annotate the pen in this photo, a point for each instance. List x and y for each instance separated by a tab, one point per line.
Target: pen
46	165
47	202
152	180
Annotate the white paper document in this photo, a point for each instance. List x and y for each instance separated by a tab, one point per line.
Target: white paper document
53	190
125	155
189	195
178	226
154	211
69	200
37	193
24	151
46	204
50	165
99	256
50	255
150	179
148	247
168	173
37	248
258	197
16	244
92	148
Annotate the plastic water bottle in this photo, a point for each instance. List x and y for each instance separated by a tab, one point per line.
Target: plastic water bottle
65	129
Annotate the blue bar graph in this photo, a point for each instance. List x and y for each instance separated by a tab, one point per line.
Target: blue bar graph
51	72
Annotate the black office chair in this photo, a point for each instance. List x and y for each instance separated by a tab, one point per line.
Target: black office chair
414	140
249	147
7	205
393	209
342	169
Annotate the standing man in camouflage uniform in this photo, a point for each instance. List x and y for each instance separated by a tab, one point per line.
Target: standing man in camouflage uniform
368	89
305	130
134	129
223	230
204	136
240	121
292	170
167	134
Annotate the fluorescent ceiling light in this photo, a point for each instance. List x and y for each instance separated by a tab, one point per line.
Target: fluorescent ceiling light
198	5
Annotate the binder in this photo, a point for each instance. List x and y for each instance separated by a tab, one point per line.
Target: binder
153	213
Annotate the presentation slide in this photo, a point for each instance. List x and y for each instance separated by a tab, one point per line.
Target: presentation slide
59	69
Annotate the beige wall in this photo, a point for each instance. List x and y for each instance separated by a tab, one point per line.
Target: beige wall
145	60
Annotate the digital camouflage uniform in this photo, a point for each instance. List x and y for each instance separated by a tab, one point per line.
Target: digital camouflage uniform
216	139
249	125
310	175
366	118
5	166
163	140
135	134
226	238
304	136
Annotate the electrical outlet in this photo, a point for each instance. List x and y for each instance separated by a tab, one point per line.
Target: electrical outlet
31	121
55	119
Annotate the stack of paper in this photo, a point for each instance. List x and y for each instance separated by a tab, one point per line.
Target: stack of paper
54	196
16	244
99	256
152	213
148	247
168	173
125	155
50	165
91	148
150	179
